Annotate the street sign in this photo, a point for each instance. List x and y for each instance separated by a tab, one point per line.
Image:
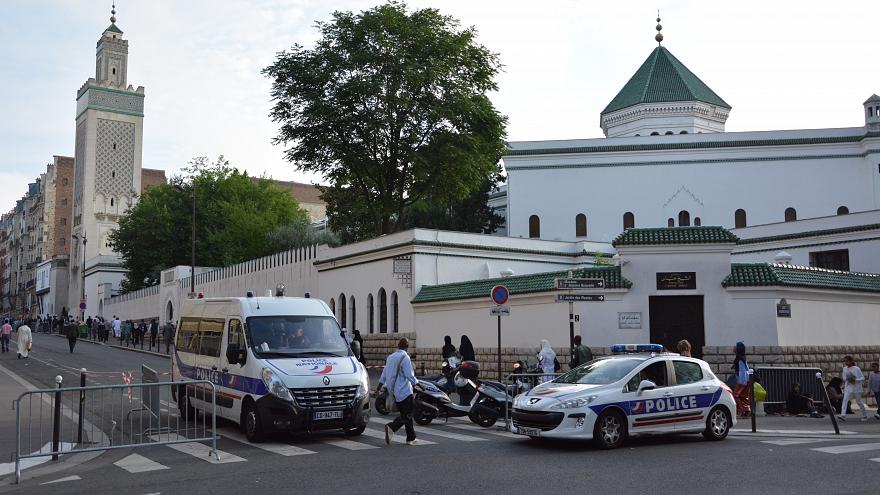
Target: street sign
499	294
82	305
580	298
500	311
580	283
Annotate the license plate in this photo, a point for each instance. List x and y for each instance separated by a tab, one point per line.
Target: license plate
318	415
532	432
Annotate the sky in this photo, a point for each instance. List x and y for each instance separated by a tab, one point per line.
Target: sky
780	65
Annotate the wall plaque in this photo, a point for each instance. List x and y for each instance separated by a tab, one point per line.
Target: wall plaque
630	320
676	280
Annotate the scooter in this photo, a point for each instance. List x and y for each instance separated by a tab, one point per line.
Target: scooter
430	402
489	403
445	381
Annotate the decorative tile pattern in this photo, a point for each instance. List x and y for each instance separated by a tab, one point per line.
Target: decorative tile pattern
79	164
675	235
114	163
775	274
112	99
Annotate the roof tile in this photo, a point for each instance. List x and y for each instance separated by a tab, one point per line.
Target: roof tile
674	235
783	275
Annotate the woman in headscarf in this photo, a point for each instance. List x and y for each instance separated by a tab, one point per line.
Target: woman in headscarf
741	371
547	360
466	349
360	345
25	341
448	348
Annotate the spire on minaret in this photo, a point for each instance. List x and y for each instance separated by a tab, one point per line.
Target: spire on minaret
659	36
113	13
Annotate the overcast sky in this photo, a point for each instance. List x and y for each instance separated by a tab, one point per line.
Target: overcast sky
780	64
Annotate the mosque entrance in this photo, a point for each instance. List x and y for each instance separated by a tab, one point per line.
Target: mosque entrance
674	318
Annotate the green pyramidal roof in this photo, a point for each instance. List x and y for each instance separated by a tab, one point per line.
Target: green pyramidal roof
113	29
662	78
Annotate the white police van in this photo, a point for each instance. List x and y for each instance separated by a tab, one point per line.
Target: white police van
278	364
637	391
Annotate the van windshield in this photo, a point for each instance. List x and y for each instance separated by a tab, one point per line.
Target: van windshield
296	336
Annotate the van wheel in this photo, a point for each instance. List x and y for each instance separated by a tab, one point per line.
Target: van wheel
610	430
717	424
187	411
250	422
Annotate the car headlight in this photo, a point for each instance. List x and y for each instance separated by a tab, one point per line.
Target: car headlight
364	386
576	403
275	386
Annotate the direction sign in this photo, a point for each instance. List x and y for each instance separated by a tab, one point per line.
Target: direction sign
500	311
580	298
580	283
499	294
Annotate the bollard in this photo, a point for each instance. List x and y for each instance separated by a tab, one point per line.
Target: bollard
828	406
56	422
752	399
82	404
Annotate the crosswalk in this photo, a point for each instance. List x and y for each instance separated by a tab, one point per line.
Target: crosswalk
843	446
233	447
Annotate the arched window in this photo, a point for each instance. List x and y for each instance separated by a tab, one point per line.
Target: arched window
371	314
683	132
629	220
697	221
534	227
352	311
670	223
669	133
739	219
333	306
684	219
343	309
790	214
383	311
580	225
395	320
843	210
655	133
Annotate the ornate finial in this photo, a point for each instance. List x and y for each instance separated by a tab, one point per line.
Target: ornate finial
659	36
113	14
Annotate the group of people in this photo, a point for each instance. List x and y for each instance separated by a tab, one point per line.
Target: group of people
24	342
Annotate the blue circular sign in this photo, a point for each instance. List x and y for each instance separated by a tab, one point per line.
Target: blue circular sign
500	294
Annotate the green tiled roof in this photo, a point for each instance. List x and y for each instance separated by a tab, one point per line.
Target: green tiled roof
520	284
812	233
113	29
775	274
674	235
662	78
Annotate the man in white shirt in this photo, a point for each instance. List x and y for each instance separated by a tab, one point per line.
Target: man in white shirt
853	379
117	327
398	377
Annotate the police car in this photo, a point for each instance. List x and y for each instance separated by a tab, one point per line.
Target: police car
637	391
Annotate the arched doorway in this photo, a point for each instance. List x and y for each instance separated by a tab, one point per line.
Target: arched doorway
169	312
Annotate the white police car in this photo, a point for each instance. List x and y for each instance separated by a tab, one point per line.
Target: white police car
637	391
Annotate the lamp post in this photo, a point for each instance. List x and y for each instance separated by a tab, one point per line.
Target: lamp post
82	312
192	263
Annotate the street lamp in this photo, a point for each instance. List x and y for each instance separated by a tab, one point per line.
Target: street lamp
82	308
192	264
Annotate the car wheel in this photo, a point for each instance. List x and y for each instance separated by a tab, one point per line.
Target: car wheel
251	423
610	430
717	424
187	411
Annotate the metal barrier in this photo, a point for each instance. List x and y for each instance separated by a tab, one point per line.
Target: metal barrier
779	380
53	422
522	382
810	382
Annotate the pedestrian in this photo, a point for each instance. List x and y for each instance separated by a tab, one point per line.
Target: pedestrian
466	349
834	389
117	328
580	354
5	333
684	348
91	324
448	348
154	333
874	385
126	332
25	341
72	332
360	345
547	361
168	333
853	379
399	378
83	329
741	391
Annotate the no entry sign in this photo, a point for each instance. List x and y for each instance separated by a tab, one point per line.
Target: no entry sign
500	294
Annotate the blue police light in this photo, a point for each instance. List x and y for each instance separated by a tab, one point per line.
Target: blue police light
307	295
624	348
249	293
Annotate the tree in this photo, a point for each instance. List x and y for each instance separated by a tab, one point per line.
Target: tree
391	108
235	215
471	214
300	233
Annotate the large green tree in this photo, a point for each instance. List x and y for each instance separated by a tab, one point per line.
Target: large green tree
391	107
235	215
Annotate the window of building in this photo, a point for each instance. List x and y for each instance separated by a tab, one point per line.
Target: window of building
580	225
669	133
837	259
333	306
353	313
629	220
697	221
684	219
395	321
371	314
683	132
790	214
63	221
655	133
383	311
739	218
111	201
64	182
63	201
670	223
342	311
114	147
534	227
843	210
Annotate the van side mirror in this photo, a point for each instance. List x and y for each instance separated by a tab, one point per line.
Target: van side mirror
235	354
646	385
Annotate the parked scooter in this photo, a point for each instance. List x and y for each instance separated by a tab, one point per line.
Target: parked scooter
489	403
431	402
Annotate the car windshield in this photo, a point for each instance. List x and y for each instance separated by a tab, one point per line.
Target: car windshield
296	336
601	371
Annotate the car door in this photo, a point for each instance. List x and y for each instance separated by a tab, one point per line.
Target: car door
648	412
693	395
231	374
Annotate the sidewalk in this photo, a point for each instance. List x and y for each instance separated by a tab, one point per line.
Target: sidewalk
117	346
774	425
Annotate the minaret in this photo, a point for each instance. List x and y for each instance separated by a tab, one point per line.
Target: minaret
872	113
107	173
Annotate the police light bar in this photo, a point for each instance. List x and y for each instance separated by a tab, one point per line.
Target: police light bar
624	348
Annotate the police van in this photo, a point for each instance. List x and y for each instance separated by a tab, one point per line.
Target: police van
278	364
638	391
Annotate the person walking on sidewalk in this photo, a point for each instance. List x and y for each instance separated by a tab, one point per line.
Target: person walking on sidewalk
741	392
580	354
5	333
71	329
399	378
852	388
117	328
154	333
25	341
874	385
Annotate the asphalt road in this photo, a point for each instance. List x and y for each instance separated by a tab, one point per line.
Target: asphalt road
461	458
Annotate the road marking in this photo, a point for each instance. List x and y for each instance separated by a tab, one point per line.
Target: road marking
796	441
489	431
849	449
284	449
136	463
437	432
790	432
396	438
197	449
347	444
62	480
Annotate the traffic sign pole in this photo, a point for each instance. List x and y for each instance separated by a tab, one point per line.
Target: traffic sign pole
499	348
499	295
570	331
